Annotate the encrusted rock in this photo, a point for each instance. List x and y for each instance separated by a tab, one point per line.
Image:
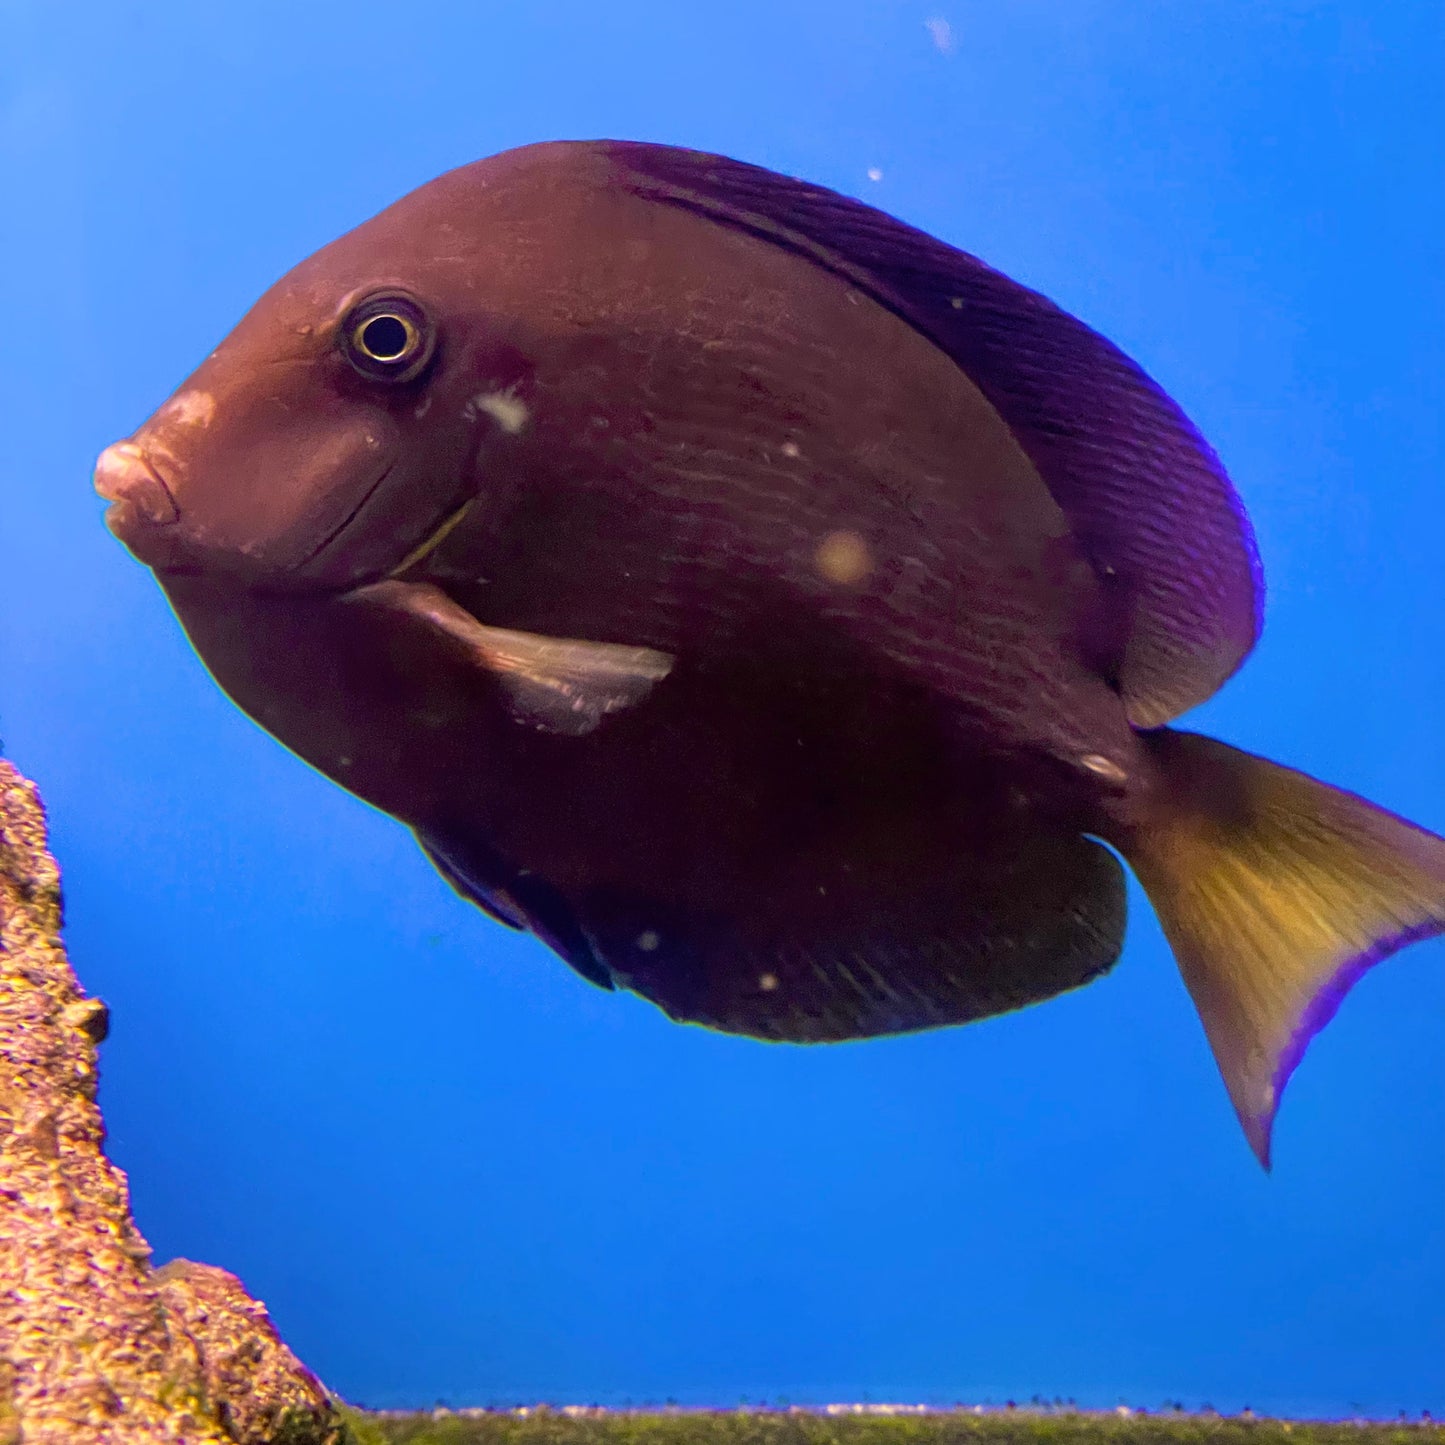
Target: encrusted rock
95	1346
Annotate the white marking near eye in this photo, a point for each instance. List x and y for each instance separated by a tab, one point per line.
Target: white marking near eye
191	408
426	406
505	408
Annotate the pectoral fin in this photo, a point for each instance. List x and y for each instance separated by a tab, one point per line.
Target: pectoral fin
560	685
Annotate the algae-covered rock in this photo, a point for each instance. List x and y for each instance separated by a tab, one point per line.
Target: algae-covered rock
95	1346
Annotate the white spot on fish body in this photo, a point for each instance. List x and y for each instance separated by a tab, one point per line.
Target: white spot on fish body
956	302
843	558
191	408
1104	767
505	408
874	174
647	942
790	449
768	982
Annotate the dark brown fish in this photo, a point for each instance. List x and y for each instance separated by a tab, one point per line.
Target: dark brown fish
764	603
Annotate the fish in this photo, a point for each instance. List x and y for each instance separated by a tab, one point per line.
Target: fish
778	612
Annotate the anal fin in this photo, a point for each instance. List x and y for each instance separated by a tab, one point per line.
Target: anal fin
976	937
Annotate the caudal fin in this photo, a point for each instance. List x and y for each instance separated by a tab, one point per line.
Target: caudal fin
1276	892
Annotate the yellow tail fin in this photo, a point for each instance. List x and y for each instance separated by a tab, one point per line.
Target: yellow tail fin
1276	892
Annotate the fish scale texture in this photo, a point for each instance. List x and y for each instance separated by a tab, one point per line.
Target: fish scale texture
96	1348
1145	493
732	494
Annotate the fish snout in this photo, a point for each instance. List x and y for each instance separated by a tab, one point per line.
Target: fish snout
142	504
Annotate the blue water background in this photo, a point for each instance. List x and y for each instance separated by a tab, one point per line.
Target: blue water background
450	1168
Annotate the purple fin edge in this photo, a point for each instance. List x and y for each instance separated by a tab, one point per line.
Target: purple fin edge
1322	1008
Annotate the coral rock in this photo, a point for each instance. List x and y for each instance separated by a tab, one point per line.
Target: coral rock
95	1346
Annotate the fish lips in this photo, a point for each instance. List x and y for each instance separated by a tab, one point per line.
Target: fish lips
142	506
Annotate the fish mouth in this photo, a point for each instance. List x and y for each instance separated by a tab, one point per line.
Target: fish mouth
127	478
143	510
181	552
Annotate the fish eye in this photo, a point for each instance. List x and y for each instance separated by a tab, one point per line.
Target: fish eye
388	338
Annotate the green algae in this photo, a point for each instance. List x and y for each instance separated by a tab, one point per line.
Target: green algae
996	1427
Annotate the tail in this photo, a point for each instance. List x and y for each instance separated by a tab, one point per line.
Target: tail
1276	892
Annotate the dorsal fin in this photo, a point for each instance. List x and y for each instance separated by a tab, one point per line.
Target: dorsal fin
1146	496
